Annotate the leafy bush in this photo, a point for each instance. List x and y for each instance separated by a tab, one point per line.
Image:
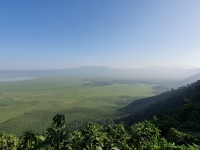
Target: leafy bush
141	136
8	141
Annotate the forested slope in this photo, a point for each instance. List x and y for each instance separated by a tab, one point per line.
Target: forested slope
166	101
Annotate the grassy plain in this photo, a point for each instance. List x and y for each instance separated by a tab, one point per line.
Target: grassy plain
30	102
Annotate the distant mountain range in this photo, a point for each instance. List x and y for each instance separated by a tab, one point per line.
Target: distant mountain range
147	72
189	80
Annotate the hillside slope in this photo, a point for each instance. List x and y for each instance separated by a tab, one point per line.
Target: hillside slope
190	79
169	100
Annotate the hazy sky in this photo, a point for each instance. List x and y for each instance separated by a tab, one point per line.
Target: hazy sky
50	34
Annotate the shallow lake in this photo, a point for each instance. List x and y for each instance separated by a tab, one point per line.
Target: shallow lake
15	79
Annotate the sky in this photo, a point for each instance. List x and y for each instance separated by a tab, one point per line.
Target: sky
49	34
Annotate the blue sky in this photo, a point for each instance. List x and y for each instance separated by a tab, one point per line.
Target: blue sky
49	34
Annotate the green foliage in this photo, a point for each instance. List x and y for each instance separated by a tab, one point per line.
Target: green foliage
186	119
180	138
56	137
118	136
141	136
8	141
59	121
27	141
145	135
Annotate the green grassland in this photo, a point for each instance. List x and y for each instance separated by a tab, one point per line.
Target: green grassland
26	104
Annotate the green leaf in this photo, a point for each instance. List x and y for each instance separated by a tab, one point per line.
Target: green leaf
98	148
41	137
69	136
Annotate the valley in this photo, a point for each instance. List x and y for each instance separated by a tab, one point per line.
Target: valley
85	94
29	103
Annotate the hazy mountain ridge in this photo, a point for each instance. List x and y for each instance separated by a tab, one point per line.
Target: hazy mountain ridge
151	72
190	79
